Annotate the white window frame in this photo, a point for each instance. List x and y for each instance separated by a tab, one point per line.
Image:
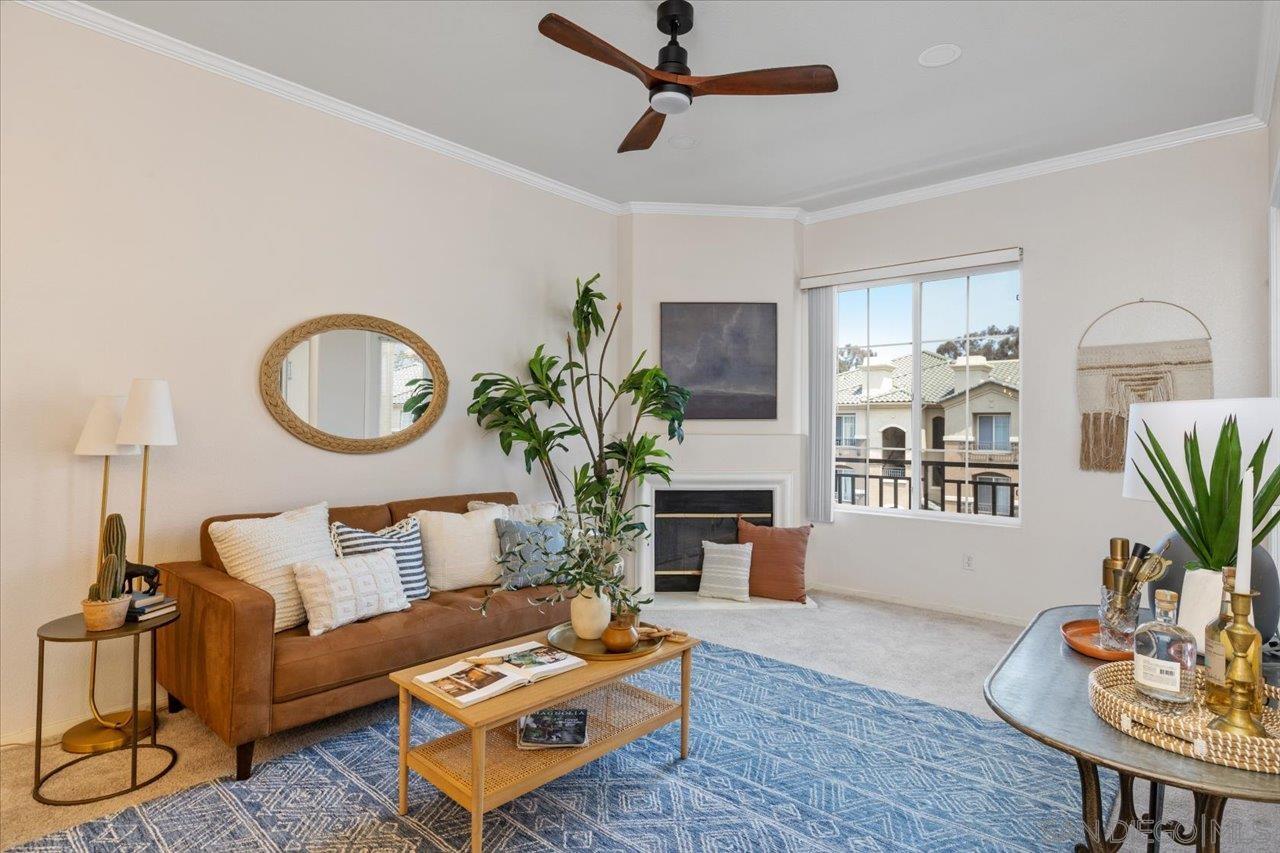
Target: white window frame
913	449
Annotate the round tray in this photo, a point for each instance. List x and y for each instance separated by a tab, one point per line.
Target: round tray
563	638
1082	635
1116	700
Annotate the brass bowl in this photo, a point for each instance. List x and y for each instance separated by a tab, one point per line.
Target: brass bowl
563	638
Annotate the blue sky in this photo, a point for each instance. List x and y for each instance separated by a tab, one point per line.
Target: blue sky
993	299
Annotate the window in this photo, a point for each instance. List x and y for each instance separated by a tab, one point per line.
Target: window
846	430
993	432
994	494
930	370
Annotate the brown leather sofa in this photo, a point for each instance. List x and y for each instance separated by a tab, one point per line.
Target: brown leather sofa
222	660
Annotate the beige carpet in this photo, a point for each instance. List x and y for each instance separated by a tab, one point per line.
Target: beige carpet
931	656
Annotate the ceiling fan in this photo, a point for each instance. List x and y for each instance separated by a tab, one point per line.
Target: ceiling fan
671	88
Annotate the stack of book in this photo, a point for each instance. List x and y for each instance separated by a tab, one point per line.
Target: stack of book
146	606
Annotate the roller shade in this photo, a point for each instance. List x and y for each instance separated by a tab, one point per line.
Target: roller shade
915	269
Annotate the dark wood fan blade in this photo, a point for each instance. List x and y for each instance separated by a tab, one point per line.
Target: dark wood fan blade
796	80
574	37
644	132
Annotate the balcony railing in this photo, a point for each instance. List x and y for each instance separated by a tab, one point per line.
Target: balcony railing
893	486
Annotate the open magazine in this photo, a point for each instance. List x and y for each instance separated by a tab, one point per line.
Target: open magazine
464	683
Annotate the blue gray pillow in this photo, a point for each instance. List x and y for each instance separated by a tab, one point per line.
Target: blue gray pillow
528	550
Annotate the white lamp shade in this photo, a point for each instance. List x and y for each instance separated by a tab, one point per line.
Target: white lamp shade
1255	416
98	438
148	415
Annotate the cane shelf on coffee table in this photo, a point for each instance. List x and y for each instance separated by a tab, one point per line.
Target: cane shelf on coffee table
479	766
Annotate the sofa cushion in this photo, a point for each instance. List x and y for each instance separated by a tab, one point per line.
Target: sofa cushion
401	510
263	551
370	517
444	624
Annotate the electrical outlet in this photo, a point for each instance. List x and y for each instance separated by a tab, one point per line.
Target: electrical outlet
967	563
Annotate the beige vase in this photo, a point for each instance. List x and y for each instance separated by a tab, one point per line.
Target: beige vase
105	615
589	614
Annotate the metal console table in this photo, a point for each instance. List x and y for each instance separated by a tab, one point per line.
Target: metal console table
1041	688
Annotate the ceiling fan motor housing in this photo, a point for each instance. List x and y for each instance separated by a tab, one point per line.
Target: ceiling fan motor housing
675	18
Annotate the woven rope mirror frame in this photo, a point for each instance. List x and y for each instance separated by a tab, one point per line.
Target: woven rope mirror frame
269	383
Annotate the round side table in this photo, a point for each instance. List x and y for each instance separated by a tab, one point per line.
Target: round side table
70	629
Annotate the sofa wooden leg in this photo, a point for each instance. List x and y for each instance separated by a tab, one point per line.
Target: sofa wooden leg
244	761
175	704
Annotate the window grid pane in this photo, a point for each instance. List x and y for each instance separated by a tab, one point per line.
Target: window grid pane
967	454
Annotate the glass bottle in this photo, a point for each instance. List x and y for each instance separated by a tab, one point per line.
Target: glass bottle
1164	655
1218	655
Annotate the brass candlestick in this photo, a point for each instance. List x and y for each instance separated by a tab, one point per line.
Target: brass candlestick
1239	719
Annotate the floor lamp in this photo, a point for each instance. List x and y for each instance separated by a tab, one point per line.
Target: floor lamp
147	421
98	438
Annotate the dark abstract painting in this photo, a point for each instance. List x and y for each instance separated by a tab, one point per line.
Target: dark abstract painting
726	353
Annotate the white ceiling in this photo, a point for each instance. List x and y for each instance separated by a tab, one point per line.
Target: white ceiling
1037	80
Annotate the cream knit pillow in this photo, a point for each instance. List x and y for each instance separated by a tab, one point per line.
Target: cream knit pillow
340	590
527	513
460	549
263	551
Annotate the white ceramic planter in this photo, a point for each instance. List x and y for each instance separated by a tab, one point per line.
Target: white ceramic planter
1199	602
590	614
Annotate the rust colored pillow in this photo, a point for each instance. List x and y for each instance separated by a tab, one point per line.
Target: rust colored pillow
777	559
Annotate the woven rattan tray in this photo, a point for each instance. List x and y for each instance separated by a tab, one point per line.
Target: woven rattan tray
1115	699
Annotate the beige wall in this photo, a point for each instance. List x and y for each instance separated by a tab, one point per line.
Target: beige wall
159	220
725	259
1186	224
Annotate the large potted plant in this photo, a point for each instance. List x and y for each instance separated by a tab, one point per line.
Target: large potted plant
1205	510
566	401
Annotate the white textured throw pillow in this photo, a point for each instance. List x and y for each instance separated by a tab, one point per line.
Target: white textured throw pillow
527	513
341	590
726	571
263	551
460	549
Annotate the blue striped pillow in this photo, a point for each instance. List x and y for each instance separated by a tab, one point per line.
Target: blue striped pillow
404	538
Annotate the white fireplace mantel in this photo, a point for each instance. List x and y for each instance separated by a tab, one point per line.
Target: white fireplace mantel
778	482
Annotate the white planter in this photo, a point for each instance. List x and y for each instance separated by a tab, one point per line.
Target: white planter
1199	601
589	614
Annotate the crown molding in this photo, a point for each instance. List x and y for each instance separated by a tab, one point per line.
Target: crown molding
1264	84
1041	167
731	210
148	39
103	22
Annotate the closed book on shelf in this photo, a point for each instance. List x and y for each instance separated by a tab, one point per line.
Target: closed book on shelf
133	616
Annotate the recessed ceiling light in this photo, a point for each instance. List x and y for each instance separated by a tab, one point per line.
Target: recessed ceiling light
683	142
939	55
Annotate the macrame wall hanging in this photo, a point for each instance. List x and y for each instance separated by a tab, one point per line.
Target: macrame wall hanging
1110	377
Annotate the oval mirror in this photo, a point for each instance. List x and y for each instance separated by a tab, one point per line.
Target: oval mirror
352	383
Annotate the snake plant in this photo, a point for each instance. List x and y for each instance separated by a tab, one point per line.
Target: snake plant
1206	510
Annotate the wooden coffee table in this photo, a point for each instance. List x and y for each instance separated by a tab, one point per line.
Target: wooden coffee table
479	767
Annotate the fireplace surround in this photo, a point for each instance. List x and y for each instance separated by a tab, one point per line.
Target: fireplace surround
694	507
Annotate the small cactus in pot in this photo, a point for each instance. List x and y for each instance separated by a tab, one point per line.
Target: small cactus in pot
107	605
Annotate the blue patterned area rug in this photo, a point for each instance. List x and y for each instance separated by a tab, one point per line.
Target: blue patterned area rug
782	759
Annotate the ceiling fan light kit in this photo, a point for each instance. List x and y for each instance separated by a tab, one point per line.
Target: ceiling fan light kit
671	86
